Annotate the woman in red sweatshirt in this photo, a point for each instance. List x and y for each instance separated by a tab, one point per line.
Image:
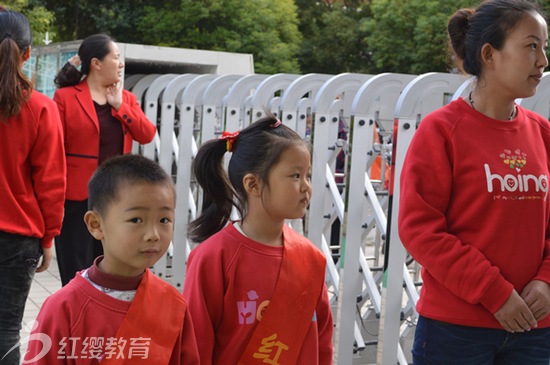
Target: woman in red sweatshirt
32	180
100	120
474	207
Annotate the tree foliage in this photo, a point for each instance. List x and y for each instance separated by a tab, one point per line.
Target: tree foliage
409	36
79	19
265	28
333	38
40	19
294	36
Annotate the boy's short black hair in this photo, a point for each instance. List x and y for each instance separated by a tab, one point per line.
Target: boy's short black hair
103	187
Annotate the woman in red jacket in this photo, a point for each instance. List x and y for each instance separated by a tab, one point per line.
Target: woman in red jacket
100	120
32	180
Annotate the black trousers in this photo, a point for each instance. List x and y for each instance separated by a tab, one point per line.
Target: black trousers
75	247
19	256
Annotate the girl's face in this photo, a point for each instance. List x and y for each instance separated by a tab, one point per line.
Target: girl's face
519	65
288	192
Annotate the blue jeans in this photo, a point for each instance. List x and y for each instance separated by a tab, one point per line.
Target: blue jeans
19	257
448	344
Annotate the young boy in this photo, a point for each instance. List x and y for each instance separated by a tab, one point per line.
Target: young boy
117	311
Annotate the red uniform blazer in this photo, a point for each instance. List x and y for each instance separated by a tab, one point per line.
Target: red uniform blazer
81	131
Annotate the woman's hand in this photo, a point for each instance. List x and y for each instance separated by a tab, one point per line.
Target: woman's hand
536	295
515	315
47	254
114	95
75	60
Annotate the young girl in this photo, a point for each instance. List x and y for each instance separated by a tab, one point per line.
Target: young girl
474	207
255	288
32	180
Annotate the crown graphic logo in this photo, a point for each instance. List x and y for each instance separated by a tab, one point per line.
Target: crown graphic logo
515	160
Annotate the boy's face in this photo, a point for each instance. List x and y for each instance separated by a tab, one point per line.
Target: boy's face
136	229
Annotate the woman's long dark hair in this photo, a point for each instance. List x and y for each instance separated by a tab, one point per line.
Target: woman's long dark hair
256	150
94	46
15	40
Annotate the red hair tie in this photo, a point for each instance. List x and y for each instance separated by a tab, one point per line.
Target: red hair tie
229	138
276	124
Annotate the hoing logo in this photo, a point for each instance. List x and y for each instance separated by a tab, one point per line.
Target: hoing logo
515	181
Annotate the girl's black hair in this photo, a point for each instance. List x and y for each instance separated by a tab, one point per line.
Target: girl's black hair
470	29
256	150
15	39
94	46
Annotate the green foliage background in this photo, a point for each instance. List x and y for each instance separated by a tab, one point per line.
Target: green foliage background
294	36
40	19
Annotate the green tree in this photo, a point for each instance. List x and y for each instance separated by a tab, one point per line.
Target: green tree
40	19
265	28
300	36
268	29
79	19
409	36
334	41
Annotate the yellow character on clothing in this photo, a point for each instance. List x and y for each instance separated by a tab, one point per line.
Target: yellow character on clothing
266	351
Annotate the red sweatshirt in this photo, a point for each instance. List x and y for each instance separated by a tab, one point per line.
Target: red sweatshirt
474	211
32	162
230	280
78	324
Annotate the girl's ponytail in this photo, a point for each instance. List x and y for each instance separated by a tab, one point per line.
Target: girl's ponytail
15	40
218	193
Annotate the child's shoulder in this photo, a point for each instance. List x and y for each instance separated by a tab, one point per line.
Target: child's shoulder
296	238
74	294
221	240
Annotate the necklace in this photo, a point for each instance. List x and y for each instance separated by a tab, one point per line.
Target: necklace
473	107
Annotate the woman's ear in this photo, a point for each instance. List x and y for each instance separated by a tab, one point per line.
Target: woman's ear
26	54
94	223
95	64
252	185
487	54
